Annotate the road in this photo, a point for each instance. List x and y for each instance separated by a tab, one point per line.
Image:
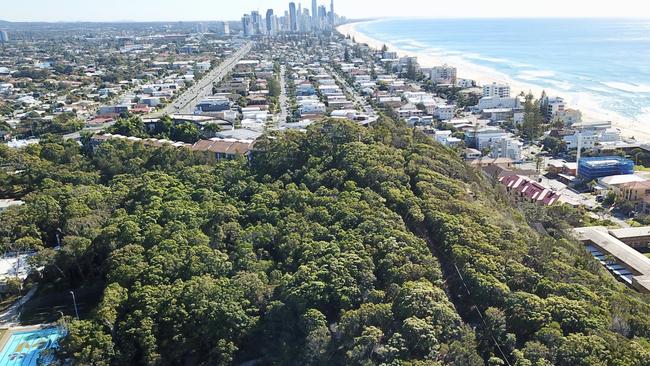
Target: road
10	317
284	111
186	102
367	109
77	135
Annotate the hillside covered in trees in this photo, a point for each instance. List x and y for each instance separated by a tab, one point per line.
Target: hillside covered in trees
339	246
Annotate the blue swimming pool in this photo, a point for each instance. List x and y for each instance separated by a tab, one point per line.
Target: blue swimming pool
25	348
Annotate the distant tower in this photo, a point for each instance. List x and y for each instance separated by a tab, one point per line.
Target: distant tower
4	37
299	18
269	21
314	14
256	19
293	21
247	25
332	13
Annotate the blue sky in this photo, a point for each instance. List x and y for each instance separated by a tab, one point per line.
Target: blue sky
150	10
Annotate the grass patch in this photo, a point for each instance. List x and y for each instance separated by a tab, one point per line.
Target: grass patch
49	302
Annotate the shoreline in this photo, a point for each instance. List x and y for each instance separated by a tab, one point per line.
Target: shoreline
590	108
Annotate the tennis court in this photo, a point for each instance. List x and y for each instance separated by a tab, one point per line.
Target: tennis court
24	347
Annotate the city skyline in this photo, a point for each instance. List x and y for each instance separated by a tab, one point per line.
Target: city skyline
168	10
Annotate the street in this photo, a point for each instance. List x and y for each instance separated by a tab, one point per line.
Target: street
186	102
360	100
284	113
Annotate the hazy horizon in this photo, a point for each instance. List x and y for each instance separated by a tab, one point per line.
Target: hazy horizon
353	19
206	10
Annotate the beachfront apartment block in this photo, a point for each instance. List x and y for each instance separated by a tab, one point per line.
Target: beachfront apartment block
591	134
496	90
569	116
497	102
589	139
552	107
390	55
444	74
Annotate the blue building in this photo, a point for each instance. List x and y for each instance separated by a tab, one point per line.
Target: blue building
604	166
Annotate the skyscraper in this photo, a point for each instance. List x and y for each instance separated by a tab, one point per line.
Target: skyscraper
299	18
293	21
223	28
256	20
314	14
286	23
4	37
269	21
332	13
305	21
247	25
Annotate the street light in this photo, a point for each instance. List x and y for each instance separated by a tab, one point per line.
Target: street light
74	301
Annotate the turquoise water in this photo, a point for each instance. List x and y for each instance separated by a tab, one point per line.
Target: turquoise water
24	348
606	58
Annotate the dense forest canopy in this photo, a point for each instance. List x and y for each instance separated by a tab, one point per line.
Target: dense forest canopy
341	245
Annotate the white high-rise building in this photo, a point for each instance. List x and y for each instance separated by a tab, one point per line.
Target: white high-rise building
4	36
496	90
443	74
553	107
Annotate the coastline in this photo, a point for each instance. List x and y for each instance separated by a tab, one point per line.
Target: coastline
590	108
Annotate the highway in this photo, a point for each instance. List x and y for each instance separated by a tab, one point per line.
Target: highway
186	102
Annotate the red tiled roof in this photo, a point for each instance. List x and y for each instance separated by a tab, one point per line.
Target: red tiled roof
530	189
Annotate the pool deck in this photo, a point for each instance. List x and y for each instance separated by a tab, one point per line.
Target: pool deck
9	332
6	336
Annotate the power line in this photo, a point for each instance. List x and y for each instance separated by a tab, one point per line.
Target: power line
482	318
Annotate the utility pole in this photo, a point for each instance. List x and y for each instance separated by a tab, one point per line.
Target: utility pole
579	153
74	301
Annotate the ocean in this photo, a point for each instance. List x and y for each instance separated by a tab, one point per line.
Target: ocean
607	60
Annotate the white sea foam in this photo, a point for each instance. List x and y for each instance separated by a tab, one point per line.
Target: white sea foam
531	75
599	89
564	85
630	88
496	60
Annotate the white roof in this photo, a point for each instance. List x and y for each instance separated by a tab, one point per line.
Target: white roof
615	180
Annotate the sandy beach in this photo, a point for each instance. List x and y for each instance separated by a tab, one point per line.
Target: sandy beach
590	108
